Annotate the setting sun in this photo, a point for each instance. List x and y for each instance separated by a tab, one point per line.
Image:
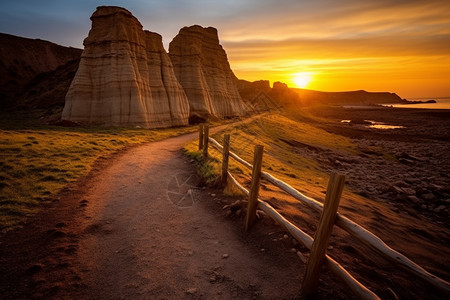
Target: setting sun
302	79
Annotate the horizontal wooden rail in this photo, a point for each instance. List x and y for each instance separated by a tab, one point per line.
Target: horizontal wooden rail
360	290
377	244
238	185
219	147
365	236
354	229
215	144
316	205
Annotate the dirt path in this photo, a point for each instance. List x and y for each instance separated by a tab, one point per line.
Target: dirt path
148	237
140	228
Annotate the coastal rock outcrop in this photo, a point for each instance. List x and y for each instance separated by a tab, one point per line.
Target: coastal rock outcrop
248	90
360	97
202	68
125	76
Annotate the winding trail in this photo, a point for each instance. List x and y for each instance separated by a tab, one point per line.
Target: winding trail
149	235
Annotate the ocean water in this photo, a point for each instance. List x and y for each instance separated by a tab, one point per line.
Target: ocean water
441	103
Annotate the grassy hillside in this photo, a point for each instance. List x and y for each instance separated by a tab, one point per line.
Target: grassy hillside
22	59
302	149
298	151
282	136
36	161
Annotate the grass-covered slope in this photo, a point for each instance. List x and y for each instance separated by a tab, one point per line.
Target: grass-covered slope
37	161
282	137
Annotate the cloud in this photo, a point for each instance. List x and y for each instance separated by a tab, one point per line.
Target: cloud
274	38
349	48
236	20
341	19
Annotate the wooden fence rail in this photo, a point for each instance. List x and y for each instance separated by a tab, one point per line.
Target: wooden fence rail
351	227
303	238
365	236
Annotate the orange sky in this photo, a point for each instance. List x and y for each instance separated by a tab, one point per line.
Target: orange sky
401	46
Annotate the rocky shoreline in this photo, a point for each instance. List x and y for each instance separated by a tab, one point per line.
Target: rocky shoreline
405	101
412	179
406	167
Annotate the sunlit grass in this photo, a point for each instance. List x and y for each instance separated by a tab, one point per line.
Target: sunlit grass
306	172
272	131
37	163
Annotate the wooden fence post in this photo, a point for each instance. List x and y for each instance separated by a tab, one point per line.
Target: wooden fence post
225	156
322	236
205	141
254	189
200	137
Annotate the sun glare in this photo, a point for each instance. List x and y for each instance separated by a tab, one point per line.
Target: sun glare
302	79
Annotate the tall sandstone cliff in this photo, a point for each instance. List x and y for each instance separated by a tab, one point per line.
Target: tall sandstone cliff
125	76
201	66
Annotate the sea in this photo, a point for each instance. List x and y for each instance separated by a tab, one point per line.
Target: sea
441	103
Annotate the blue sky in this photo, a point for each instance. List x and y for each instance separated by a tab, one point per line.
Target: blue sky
67	22
343	45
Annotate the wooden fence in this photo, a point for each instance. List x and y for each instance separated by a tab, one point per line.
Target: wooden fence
329	217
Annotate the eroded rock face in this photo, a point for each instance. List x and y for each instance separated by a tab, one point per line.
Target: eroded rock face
202	68
125	76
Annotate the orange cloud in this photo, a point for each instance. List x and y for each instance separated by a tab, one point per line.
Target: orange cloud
401	47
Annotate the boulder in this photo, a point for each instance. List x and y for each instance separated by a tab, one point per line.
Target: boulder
414	200
440	209
428	196
125	76
202	68
394	190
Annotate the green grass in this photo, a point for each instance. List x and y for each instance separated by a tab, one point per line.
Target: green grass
209	169
293	162
36	161
280	158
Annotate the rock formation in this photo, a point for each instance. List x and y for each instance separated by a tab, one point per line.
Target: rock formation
256	96
347	98
261	93
23	61
283	94
249	90
125	76
202	68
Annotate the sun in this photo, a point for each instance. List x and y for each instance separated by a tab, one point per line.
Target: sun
302	79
